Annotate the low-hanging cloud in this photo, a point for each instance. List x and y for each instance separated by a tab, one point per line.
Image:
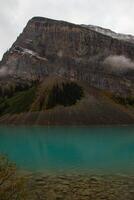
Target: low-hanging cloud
120	63
4	71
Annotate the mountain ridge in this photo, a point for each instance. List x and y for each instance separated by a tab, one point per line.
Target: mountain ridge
80	50
109	32
52	48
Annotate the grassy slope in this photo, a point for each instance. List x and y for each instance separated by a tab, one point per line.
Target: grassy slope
94	108
20	102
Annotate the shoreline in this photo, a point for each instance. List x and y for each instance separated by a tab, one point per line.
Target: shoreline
83	187
67	126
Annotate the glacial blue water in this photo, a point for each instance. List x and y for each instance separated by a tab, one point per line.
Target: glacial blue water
59	149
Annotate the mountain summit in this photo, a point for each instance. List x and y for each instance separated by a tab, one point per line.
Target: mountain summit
56	67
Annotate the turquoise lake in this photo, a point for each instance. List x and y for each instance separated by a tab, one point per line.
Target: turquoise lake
72	149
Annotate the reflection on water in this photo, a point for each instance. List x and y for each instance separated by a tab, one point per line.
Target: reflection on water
98	150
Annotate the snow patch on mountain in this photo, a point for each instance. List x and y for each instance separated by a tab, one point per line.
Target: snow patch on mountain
108	32
24	51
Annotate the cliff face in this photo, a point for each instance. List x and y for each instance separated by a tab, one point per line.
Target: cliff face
61	73
49	47
110	33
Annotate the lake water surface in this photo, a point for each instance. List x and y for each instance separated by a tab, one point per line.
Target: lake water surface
75	149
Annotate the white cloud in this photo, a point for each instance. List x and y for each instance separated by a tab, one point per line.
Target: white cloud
118	63
113	14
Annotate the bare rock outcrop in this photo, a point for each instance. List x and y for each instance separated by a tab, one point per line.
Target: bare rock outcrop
49	47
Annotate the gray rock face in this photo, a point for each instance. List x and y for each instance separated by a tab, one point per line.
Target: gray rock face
49	47
108	32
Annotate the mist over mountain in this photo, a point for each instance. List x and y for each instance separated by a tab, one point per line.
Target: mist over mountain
51	58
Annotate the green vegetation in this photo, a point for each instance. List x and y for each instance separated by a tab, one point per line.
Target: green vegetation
50	93
9	89
57	92
66	95
20	102
12	185
124	101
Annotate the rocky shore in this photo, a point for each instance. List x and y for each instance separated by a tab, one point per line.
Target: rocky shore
16	184
82	187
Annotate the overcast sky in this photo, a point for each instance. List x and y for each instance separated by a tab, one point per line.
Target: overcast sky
117	15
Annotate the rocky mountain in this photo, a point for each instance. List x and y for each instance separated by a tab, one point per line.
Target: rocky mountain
82	62
108	32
